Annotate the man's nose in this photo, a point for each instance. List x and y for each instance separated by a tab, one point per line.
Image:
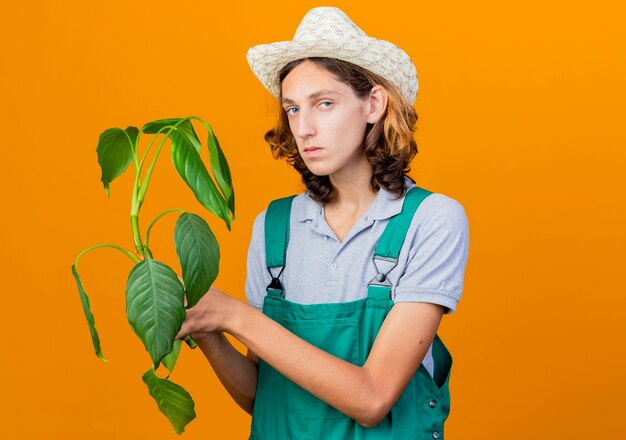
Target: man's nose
306	124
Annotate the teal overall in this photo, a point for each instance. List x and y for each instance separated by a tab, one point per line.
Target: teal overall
284	410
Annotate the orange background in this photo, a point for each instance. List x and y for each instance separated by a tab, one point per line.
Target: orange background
521	120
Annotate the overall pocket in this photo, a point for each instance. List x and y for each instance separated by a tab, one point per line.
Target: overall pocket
337	336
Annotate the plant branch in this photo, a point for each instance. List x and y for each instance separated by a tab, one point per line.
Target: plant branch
141	194
145	154
144	186
157	218
124	251
133	148
139	191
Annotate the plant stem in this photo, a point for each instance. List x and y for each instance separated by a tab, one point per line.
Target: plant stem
134	224
142	191
134	219
139	191
128	254
145	154
190	342
133	147
144	187
158	217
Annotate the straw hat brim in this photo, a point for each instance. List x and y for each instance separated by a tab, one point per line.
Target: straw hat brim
378	56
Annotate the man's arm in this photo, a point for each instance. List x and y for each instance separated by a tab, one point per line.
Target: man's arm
365	393
238	373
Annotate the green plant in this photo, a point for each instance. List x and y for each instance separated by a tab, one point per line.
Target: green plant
155	295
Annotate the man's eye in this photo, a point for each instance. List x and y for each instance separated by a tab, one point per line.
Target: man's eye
325	104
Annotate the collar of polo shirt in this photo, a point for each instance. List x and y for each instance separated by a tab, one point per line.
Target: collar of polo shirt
384	205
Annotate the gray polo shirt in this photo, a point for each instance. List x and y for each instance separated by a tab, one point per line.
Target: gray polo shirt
322	269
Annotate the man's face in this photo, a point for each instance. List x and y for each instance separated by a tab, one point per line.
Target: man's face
324	114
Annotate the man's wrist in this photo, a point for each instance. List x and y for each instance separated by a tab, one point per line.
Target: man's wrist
239	315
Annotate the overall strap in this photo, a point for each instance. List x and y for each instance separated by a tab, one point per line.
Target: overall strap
277	219
390	242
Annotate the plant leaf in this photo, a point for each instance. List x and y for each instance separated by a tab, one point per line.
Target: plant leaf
169	361
190	167
155	306
172	399
115	153
220	169
184	129
198	253
185	151
84	299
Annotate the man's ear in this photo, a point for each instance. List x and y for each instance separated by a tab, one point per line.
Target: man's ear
376	104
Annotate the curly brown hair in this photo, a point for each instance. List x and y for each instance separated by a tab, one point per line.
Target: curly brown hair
389	143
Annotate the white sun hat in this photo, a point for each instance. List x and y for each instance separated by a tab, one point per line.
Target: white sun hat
329	32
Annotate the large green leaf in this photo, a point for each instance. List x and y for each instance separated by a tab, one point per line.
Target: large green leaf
198	253
220	169
186	157
169	361
115	152
184	130
173	400
91	322
190	167
155	306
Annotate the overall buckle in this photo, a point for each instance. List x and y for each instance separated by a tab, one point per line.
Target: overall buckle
275	284
381	277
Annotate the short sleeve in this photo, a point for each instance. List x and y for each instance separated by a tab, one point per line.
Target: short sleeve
437	258
257	276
